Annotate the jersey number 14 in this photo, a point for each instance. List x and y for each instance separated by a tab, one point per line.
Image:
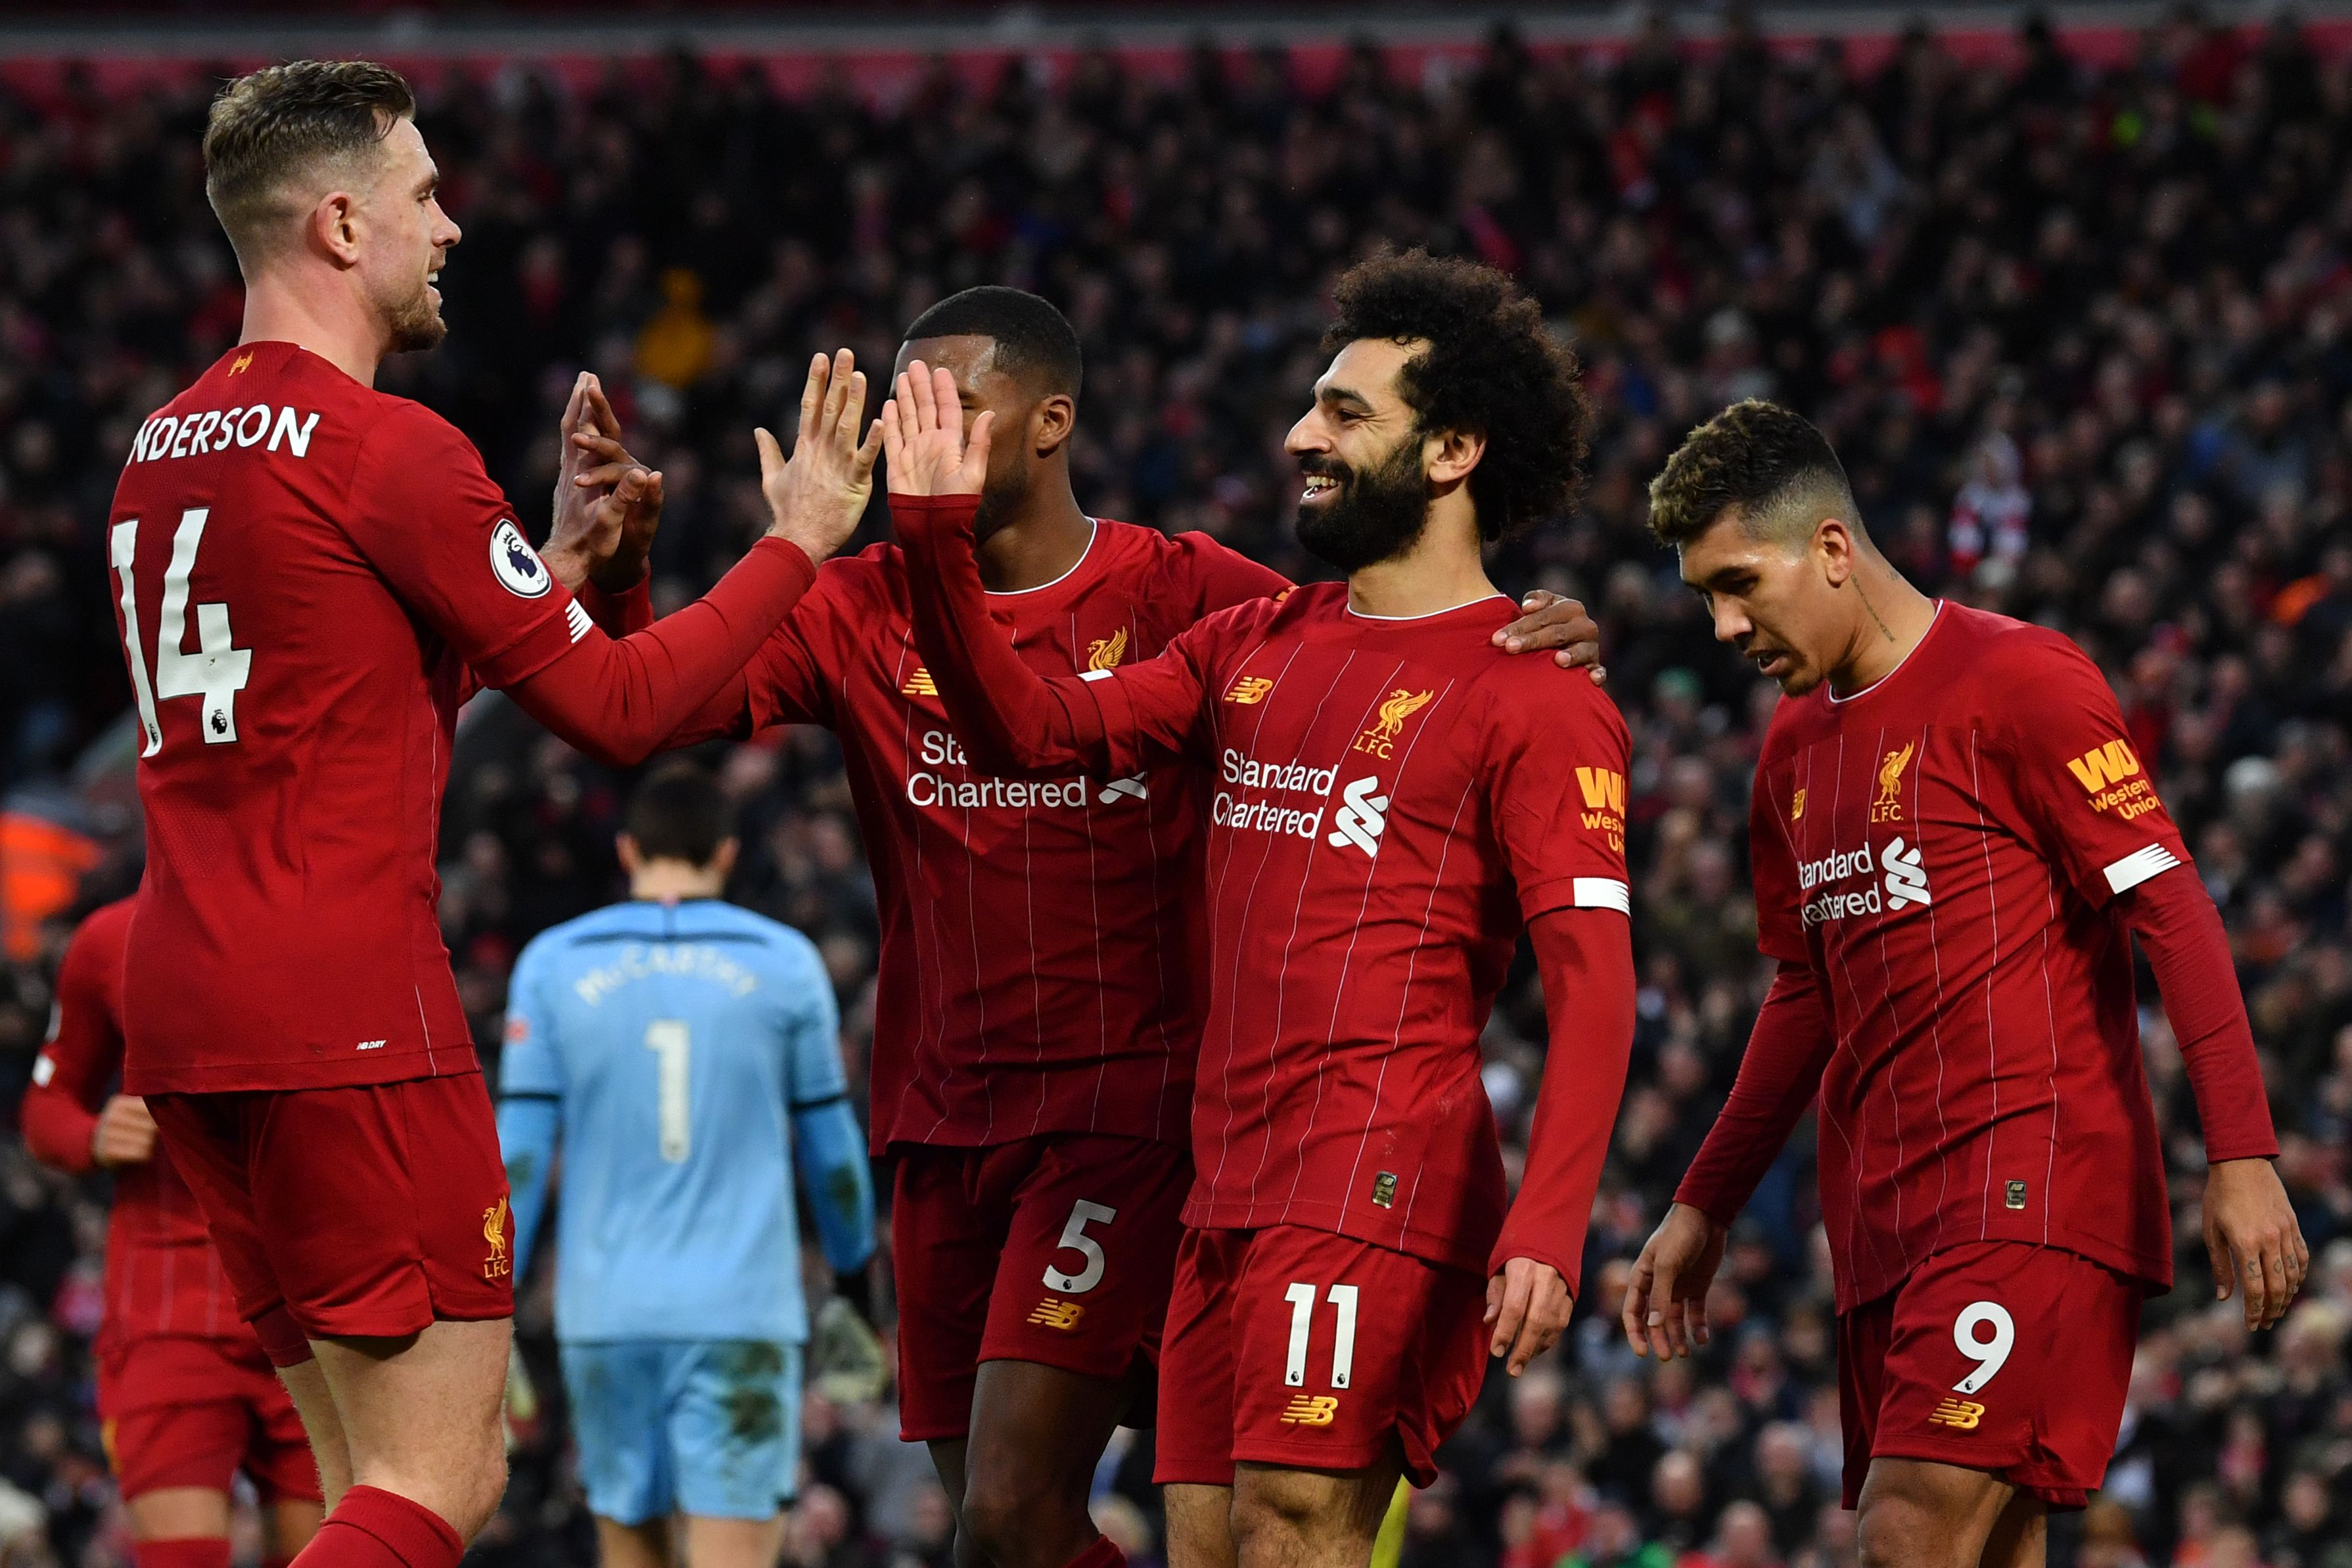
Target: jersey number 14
216	672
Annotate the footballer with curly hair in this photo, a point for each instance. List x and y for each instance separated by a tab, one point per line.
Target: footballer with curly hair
1392	802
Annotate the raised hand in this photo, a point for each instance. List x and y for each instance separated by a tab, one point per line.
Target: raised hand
922	436
815	500
1665	1301
607	504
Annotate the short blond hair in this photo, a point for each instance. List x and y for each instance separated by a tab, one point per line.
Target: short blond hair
268	130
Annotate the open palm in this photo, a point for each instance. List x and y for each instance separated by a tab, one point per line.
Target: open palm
923	439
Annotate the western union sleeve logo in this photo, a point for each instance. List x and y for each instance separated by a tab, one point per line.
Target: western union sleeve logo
1248	689
921	684
2110	774
2097	768
1105	653
1604	804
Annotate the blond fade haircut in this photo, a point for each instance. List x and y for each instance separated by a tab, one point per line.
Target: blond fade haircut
273	135
1765	465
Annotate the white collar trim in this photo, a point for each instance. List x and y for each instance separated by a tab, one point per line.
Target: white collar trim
1093	530
1899	663
1449	609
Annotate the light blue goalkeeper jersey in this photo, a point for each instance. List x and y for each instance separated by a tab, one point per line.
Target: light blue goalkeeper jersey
679	1051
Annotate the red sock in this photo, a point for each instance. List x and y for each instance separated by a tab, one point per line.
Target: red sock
189	1552
371	1527
1103	1553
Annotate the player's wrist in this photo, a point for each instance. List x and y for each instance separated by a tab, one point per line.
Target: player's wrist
1701	1215
617	577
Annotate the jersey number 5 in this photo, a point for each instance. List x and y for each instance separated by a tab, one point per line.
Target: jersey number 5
1075	1239
216	672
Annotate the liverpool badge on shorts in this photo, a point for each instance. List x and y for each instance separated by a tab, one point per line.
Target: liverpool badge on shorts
499	1264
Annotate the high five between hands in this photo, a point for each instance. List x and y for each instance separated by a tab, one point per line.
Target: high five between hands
608	504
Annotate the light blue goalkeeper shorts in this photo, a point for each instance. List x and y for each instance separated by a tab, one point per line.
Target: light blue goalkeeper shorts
707	1427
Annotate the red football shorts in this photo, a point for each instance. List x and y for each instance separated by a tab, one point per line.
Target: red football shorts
186	1412
1312	1351
1998	1356
363	1211
1055	1249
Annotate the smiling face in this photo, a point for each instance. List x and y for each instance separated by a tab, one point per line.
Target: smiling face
1364	495
404	239
1778	603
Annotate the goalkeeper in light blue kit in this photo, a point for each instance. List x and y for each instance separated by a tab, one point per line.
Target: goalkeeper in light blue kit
686	1052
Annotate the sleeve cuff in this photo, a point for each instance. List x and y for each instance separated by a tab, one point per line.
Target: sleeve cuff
1577	893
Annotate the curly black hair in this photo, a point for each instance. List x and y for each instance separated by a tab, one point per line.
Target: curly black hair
1492	368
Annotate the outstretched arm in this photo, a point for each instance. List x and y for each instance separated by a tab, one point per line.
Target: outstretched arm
1009	718
620	701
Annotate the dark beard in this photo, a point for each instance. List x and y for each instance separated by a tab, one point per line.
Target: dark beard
999	503
417	325
1378	514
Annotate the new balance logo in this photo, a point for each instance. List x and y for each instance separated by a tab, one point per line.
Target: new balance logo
1960	1415
1361	819
1052	1313
1906	878
1248	689
919	684
1310	1410
2097	768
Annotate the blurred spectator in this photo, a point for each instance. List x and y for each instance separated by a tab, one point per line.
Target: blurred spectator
2082	334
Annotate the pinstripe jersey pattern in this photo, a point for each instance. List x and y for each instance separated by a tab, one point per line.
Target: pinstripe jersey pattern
1938	850
1390	803
1040	946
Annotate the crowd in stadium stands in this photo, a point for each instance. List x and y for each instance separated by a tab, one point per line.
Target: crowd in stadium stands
2084	339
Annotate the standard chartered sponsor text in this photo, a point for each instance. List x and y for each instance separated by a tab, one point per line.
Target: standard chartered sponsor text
939	749
1227	810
